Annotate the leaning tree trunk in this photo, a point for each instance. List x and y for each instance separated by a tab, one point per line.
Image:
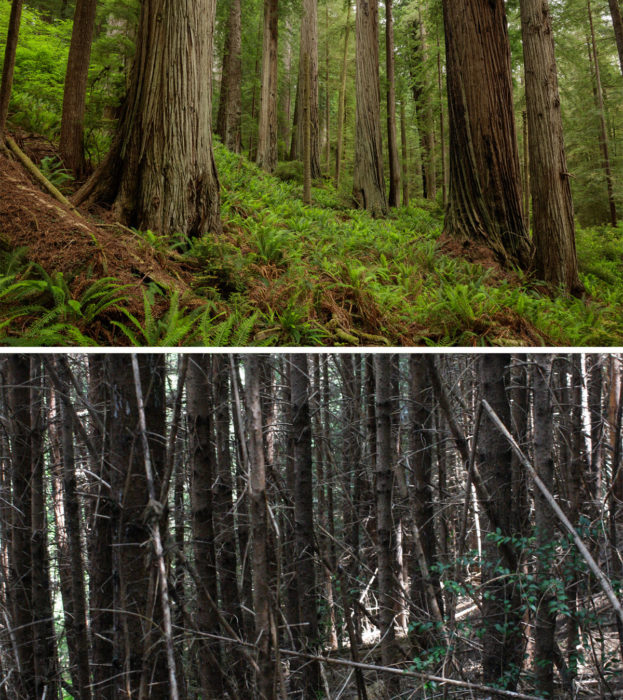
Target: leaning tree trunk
74	96
268	123
485	180
230	101
368	178
617	21
9	63
552	206
160	173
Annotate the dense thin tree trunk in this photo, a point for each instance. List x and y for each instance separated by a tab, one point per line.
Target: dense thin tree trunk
503	641
392	136
103	515
267	129
160	172
230	100
339	148
385	527
368	178
603	133
617	21
9	63
266	680
20	572
73	524
485	179
304	520
545	622
46	662
203	461
74	96
553	228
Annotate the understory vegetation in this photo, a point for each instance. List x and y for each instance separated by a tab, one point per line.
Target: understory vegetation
282	273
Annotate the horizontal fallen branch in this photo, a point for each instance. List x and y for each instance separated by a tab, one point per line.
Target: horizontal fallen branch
387	669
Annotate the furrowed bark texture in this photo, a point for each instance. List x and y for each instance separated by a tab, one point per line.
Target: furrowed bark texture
8	65
392	137
485	190
160	172
74	96
268	123
552	206
368	179
308	85
230	101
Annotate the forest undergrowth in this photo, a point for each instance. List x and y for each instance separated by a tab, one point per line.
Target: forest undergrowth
282	273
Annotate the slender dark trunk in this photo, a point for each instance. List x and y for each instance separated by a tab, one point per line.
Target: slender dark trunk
9	63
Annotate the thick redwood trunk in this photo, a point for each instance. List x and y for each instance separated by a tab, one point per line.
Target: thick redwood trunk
9	63
617	21
74	96
368	178
552	206
230	101
485	180
160	172
308	87
392	137
268	123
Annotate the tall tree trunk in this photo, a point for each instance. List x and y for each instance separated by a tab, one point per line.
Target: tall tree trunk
267	130
160	172
203	461
405	154
368	178
230	100
103	516
46	662
308	86
503	641
9	63
603	132
553	227
73	524
341	103
545	622
485	179
392	136
266	681
423	107
20	573
74	96
304	521
617	21
385	527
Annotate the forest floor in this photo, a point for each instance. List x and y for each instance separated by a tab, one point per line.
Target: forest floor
281	273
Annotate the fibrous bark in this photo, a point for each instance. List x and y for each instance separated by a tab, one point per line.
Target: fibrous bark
268	123
230	101
368	178
485	180
160	172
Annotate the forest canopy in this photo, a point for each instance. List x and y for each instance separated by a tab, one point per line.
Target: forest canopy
307	526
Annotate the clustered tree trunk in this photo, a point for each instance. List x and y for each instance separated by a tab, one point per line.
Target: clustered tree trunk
236	520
